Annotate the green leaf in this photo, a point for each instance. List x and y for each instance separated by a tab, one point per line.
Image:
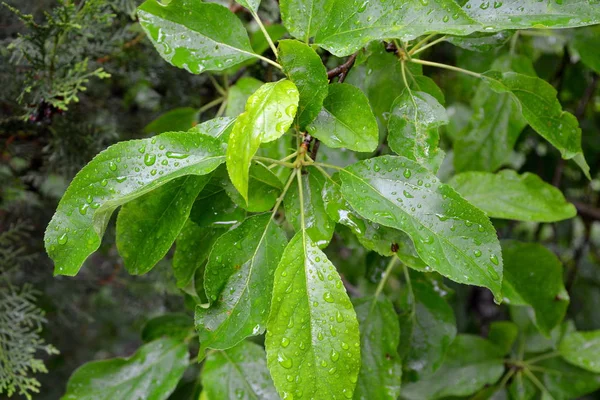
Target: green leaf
218	127
304	67
542	110
471	363
175	326
191	250
428	329
351	26
503	334
533	276
119	174
194	35
313	340
371	235
238	281
148	226
585	44
251	5
213	206
517	14
238	95
346	120
521	387
413	128
565	381
380	374
151	373
263	191
303	18
179	119
238	373
582	349
318	224
509	195
453	237
269	113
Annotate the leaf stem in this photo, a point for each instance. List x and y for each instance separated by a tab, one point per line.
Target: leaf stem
283	193
543	357
506	378
414	51
301	198
212	104
536	382
217	85
445	66
385	276
273	161
264	31
294	154
319	164
421	43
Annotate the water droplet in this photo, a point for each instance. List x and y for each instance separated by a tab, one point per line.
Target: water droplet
334	355
63	239
328	297
285	342
178	156
494	259
83	208
407	173
291	110
112	166
149	159
477	253
284	361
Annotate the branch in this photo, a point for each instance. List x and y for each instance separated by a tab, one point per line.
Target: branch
587	211
342	70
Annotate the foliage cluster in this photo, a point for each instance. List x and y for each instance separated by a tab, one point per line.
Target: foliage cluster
327	221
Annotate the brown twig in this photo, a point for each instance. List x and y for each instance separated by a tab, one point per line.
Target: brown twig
342	70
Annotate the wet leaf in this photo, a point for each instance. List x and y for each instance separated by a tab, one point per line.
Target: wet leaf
179	119
304	67
238	281
313	341
194	35
148	226
413	128
451	236
151	373
346	120
269	113
238	95
318	224
119	174
303	18
238	373
175	325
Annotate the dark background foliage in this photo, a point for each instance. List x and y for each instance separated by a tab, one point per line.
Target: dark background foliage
44	141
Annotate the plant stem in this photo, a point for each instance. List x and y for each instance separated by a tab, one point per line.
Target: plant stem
264	31
506	378
319	164
385	276
283	193
212	104
414	51
301	198
535	381
217	85
445	66
267	60
294	154
422	42
273	161
543	357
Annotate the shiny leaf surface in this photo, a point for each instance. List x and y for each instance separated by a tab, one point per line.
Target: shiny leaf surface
238	373
119	174
148	226
413	128
269	113
151	373
346	120
304	67
313	340
238	281
582	349
194	35
453	237
303	18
